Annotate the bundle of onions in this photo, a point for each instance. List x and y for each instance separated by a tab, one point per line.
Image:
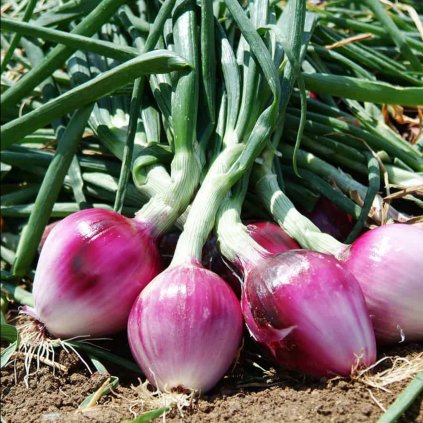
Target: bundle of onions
171	361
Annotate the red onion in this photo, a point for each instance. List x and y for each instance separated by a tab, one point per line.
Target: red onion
271	237
185	328
92	266
329	218
388	264
309	312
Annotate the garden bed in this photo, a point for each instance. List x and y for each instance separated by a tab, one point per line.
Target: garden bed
247	394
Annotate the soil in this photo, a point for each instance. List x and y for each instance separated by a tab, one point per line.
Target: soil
253	391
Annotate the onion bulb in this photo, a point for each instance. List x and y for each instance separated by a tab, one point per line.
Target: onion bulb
185	329
309	312
92	266
388	264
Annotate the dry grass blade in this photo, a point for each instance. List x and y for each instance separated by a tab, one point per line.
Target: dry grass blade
354	39
416	18
45	361
417	190
410	10
395	115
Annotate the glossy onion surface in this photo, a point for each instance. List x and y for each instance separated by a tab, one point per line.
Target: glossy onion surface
185	329
92	266
388	264
271	237
309	312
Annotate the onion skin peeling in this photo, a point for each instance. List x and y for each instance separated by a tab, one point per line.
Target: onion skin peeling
91	268
308	311
388	264
185	329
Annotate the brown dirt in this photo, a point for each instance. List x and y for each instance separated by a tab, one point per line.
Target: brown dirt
247	394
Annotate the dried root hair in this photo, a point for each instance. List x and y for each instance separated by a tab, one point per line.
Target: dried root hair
401	369
36	347
150	398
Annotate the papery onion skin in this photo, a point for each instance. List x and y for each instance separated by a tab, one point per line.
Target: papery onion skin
271	237
185	329
310	314
388	264
91	268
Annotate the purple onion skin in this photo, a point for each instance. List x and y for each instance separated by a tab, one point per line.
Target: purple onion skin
91	268
388	264
309	313
185	329
331	219
271	237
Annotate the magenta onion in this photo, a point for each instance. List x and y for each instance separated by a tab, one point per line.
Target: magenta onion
185	329
389	268
271	237
329	218
92	266
309	312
